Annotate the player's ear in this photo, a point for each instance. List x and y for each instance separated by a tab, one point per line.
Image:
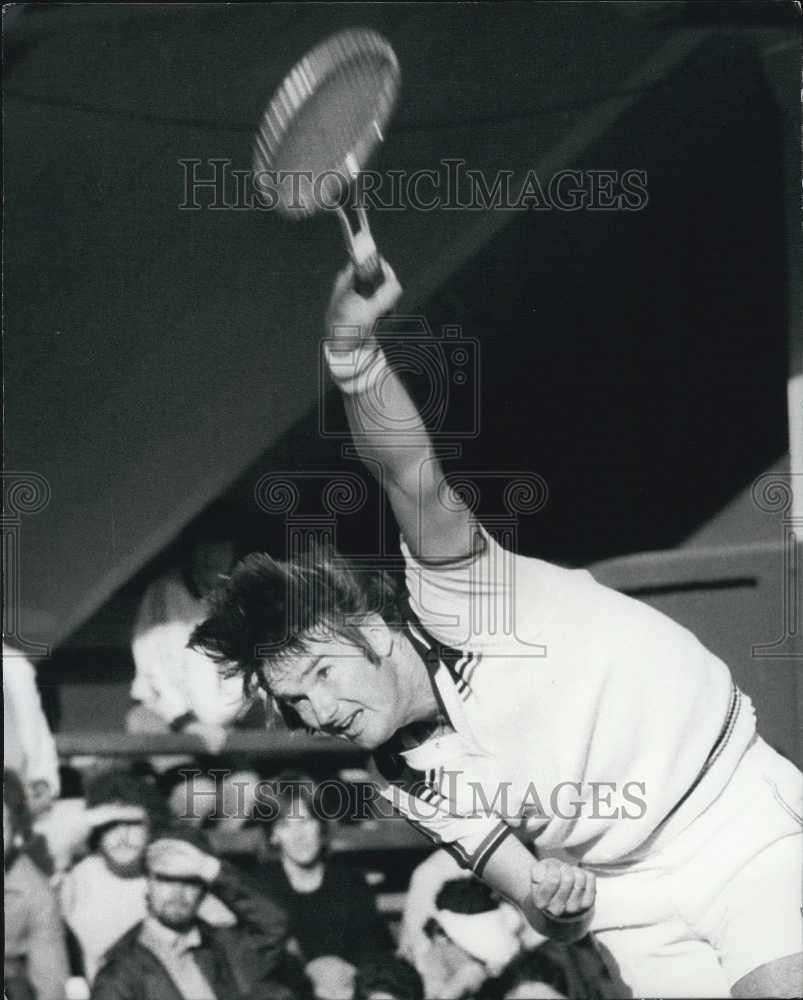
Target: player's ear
378	635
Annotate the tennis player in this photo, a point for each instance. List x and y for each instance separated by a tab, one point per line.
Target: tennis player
511	702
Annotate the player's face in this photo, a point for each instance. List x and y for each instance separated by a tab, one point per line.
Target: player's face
335	689
174	902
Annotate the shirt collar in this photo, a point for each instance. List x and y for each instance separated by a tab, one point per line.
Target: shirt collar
441	677
155	935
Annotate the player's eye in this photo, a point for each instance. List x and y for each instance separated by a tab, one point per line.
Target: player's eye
323	672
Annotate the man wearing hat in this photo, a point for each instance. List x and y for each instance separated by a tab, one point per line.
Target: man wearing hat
175	955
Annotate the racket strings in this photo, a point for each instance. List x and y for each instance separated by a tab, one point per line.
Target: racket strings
327	117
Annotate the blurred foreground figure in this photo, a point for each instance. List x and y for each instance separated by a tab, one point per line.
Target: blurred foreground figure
28	746
36	966
389	978
508	699
175	688
554	972
472	938
174	955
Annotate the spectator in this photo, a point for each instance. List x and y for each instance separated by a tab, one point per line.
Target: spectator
36	962
332	911
232	830
535	975
28	745
172	954
176	688
389	978
103	896
473	937
190	792
554	970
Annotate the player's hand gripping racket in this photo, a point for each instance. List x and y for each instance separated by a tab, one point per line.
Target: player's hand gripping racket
319	130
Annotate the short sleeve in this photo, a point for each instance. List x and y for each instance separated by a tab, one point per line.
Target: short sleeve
486	600
465	603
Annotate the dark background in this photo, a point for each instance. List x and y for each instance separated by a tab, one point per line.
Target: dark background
157	359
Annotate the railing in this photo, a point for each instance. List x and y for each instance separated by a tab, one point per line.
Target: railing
256	743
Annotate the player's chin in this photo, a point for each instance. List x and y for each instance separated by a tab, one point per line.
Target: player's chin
369	732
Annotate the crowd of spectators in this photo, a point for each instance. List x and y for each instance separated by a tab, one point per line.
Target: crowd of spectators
159	901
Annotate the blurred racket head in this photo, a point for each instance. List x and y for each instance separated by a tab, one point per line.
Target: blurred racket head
325	120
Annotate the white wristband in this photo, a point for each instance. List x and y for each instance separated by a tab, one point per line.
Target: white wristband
357	370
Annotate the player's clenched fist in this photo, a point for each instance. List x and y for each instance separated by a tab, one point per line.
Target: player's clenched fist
349	317
562	889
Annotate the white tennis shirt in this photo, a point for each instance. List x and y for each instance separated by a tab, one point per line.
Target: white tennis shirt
581	717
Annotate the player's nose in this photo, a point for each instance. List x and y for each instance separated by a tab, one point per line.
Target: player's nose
324	706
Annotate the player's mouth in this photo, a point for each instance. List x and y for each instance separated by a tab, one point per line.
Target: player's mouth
349	727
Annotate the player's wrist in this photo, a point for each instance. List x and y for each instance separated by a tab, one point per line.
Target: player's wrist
566	928
355	370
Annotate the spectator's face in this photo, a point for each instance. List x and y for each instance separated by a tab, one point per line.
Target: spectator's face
174	902
534	991
193	799
210	561
335	689
123	846
299	835
238	794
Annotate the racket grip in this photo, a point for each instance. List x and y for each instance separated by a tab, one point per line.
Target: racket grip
368	276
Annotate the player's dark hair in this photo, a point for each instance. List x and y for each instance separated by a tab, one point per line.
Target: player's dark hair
466	895
388	974
268	609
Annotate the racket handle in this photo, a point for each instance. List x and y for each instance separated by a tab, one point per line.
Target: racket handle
368	276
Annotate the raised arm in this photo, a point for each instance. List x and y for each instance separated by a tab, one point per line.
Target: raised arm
387	429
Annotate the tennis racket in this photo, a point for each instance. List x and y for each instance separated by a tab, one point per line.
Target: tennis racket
319	130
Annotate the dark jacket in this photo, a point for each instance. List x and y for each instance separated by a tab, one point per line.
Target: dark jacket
339	918
240	961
